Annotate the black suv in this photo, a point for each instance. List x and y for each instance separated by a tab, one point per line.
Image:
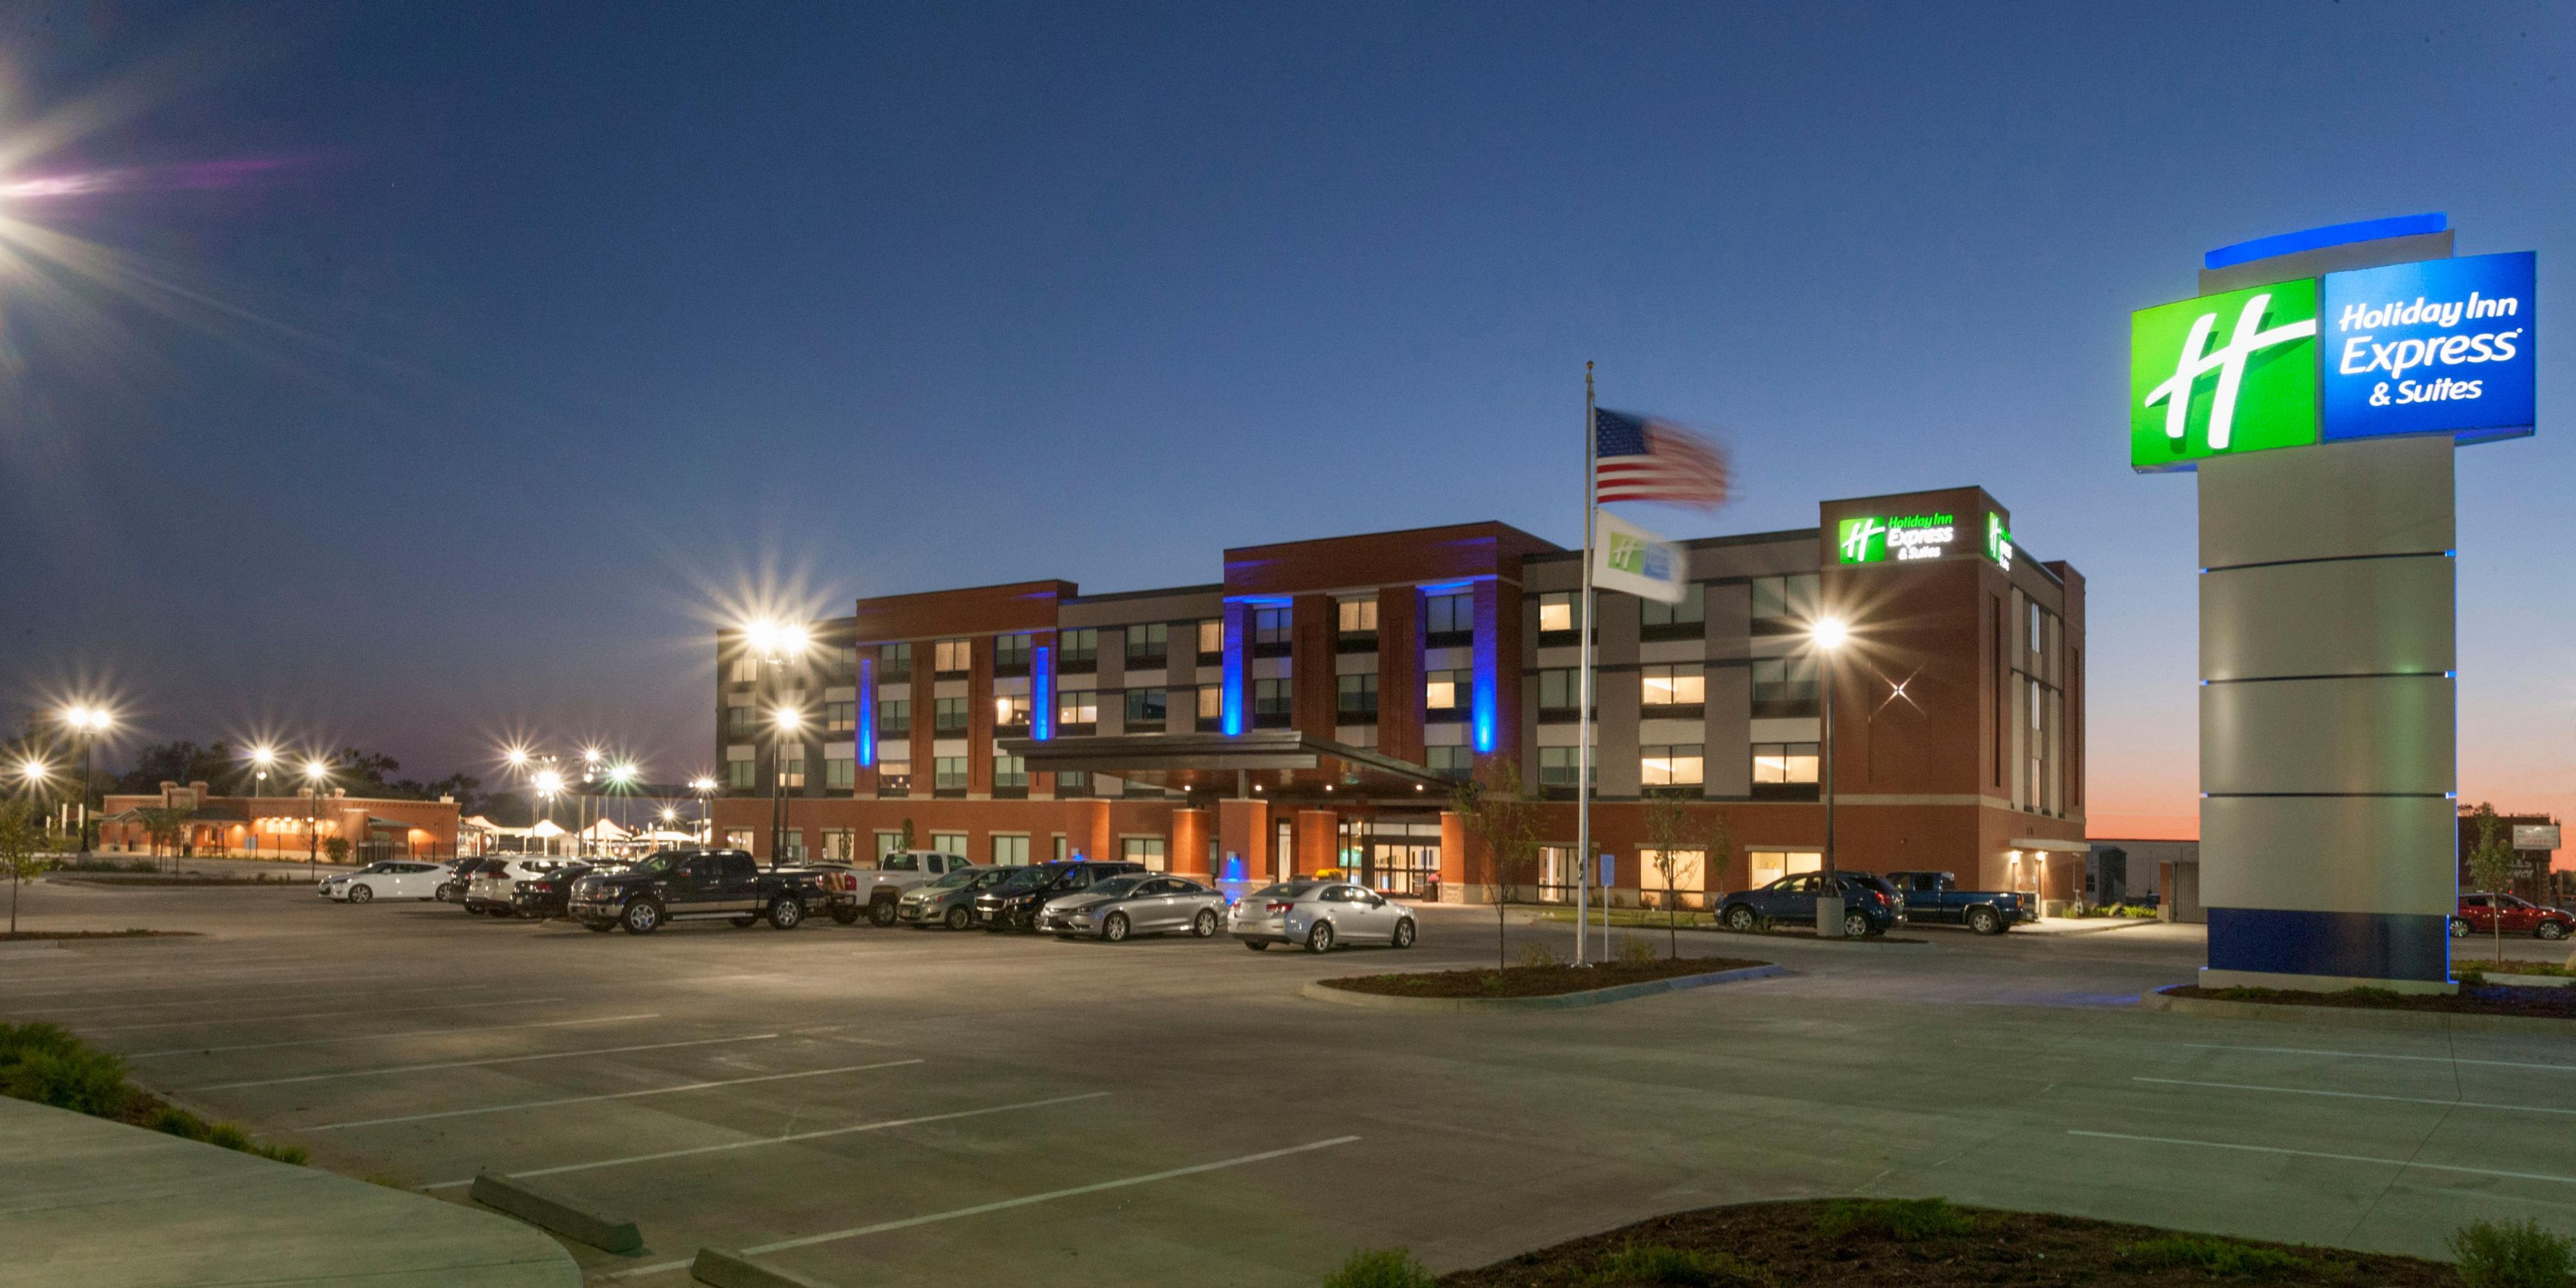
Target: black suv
687	885
1013	902
546	896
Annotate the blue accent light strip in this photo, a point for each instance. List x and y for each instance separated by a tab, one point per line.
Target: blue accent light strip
1232	721
2361	945
1266	601
2330	235
1042	693
1451	587
1488	663
867	712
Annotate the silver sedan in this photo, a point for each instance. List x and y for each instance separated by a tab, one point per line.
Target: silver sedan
1320	915
1143	903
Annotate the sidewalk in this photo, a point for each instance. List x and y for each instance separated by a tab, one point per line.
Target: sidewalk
104	1205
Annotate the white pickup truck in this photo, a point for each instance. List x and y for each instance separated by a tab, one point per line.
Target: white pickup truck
875	892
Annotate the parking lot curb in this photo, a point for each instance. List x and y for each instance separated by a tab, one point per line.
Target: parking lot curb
547	1212
725	1269
2350	1017
1559	1001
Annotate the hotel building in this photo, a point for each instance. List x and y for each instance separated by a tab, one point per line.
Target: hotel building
1317	706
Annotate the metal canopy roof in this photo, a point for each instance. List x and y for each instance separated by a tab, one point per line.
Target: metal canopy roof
1281	762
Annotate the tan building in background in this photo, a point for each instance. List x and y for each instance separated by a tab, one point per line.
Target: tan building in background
277	827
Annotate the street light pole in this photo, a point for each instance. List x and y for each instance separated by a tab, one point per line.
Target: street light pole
1828	637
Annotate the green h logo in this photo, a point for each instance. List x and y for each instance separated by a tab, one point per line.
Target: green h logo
2223	373
1863	540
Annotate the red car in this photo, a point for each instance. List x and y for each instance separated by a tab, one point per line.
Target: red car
2483	913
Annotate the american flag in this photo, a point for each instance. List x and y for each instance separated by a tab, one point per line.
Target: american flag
1641	458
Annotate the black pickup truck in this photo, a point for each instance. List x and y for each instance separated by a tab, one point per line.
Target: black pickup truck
1934	898
689	885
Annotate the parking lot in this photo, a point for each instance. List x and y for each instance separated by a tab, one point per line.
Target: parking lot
893	1106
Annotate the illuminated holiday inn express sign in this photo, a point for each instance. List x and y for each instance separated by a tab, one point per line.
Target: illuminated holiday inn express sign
2442	346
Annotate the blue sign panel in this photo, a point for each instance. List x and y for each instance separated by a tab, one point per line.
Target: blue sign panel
2440	346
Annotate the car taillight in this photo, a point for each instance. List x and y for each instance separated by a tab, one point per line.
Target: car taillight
1277	907
539	886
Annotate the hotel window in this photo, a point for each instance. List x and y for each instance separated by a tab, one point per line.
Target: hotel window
1078	650
791	766
1672	692
948	715
1010	851
1446	695
791	846
1011	653
1011	713
2035	634
1559	690
741	775
1211	707
1149	647
1356	699
1784	686
845	659
1448	621
1077	711
1147	707
894	778
1270	627
738	718
1147	850
948	775
1556	769
840	768
840	845
948	842
1766	866
894	664
1684	872
1010	774
1454	762
1072	782
1357	626
1556	617
1686	620
1270	704
887	843
1784	605
952	657
1784	771
1672	770
894	717
840	717
1212	640
746	670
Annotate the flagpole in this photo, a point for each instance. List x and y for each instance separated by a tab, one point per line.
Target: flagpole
1583	696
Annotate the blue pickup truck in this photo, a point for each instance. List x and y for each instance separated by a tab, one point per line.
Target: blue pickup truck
1935	898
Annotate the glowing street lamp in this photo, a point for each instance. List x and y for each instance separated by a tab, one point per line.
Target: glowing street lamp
788	720
1827	636
88	721
705	787
315	774
262	759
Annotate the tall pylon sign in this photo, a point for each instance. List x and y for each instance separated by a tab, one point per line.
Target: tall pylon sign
2318	385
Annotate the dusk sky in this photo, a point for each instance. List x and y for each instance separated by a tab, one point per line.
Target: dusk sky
425	374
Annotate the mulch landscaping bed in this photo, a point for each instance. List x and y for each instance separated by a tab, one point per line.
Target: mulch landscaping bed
1534	981
188	879
1858	1245
11	937
2472	999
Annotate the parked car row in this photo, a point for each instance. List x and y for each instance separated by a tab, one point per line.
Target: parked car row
923	889
2506	914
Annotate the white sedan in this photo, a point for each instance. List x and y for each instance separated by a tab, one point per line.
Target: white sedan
392	879
1319	915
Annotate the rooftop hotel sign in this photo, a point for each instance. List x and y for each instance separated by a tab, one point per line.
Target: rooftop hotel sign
2442	346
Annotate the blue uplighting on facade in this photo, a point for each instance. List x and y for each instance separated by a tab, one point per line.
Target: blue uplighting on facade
2330	235
1232	722
1042	693
867	712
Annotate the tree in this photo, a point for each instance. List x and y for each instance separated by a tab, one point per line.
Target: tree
178	762
2492	864
336	849
1673	830
25	844
163	827
906	843
1498	815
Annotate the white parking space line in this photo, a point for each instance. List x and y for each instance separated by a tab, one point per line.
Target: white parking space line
2357	1095
614	1095
116	984
320	1015
383	1037
2378	1055
469	1064
2344	1158
1002	1205
790	1138
212	1001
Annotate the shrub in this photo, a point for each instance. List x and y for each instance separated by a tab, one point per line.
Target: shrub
17	1040
2224	1257
1667	1267
179	1122
1380	1268
2512	1254
229	1136
1904	1220
78	1079
2373	994
1536	956
1636	951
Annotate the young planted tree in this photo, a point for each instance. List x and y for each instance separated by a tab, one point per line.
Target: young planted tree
1674	830
336	850
1506	821
25	845
163	827
2492	863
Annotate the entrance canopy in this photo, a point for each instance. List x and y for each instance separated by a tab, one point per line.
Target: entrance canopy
1280	762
